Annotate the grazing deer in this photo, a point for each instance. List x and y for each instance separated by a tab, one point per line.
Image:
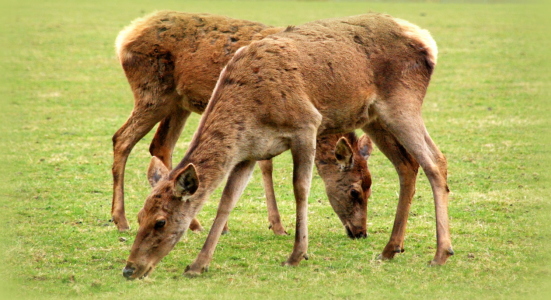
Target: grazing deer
369	71
172	61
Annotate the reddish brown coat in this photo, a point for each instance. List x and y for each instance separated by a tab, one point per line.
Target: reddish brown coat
172	61
370	71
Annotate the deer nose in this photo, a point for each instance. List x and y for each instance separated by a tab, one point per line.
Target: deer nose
356	233
127	272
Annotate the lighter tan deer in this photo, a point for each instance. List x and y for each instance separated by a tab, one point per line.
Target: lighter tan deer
369	71
172	61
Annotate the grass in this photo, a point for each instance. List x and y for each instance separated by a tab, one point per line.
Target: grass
64	95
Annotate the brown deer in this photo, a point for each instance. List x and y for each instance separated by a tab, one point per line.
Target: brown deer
172	61
369	71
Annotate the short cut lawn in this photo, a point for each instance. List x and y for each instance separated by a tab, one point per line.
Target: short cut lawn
63	95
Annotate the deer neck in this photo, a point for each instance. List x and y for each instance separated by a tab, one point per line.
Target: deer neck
325	151
213	152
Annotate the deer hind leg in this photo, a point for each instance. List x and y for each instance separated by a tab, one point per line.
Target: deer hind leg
136	127
266	167
167	135
406	167
234	188
410	131
165	139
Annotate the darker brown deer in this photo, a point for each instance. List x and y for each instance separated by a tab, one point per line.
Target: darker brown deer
281	93
172	61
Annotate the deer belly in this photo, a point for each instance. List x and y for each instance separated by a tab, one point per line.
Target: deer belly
267	148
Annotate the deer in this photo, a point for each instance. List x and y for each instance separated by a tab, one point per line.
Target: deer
283	92
172	61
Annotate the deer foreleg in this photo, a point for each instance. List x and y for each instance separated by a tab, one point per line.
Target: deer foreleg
303	153
234	188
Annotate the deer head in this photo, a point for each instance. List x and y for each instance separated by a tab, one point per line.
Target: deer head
165	217
347	180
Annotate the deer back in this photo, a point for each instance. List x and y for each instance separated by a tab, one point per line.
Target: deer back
171	51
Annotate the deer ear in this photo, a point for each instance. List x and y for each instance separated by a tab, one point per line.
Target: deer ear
365	146
186	181
343	154
156	171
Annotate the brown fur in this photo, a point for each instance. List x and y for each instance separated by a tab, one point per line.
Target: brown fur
354	174
369	71
172	61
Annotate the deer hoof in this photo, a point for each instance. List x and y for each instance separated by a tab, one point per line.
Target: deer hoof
390	251
440	258
289	264
191	274
434	263
294	262
194	273
196	228
278	229
123	228
122	225
450	252
383	257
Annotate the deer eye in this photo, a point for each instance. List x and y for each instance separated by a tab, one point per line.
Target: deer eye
160	224
355	194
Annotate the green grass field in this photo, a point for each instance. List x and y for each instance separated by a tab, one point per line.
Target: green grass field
63	95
